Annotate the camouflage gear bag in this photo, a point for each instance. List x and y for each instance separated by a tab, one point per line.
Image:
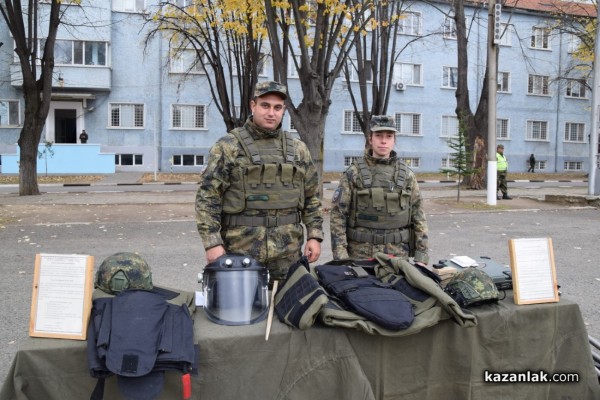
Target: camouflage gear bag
472	287
122	271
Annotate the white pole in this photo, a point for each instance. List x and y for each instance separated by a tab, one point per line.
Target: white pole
492	171
592	189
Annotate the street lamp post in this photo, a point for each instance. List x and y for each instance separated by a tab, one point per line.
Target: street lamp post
492	172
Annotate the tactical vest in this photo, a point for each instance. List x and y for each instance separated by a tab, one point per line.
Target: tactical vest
272	182
381	201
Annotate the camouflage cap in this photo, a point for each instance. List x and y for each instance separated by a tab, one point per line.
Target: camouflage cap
122	271
472	286
382	123
263	88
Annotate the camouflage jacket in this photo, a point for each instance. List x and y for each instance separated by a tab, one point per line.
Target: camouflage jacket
340	212
224	156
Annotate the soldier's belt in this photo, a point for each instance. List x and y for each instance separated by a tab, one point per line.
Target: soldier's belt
268	221
381	237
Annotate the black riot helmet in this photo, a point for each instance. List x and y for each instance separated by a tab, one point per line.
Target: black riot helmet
235	290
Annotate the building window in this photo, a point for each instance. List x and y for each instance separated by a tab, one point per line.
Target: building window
348	160
353	70
77	52
573	43
506	38
129	5
125	115
537	130
503	82
449	126
538	85
573	166
540	38
351	124
448	163
292	68
187	61
449	28
408	124
502	128
574	132
413	162
188	160
9	113
409	74
576	88
129	159
292	127
410	24
188	116
450	77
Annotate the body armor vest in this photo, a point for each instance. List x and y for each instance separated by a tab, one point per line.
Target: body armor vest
381	199
272	181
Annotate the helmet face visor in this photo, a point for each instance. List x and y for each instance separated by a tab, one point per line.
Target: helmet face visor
236	297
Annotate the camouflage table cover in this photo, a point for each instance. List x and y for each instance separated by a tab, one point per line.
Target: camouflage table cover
445	361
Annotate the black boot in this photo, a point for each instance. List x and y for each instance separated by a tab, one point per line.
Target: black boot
505	196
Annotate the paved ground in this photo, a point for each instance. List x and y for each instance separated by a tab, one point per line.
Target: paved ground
160	225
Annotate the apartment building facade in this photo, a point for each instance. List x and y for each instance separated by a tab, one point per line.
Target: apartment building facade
140	105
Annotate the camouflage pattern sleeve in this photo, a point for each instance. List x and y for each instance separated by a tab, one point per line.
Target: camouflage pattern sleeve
419	222
214	182
340	210
312	214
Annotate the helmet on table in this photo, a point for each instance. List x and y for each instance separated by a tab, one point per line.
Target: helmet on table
472	286
122	271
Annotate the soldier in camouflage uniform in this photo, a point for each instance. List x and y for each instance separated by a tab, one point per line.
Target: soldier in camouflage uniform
259	184
377	206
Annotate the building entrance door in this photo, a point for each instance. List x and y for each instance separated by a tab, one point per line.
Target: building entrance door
65	126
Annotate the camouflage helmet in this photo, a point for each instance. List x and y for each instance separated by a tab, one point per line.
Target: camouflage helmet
122	271
472	286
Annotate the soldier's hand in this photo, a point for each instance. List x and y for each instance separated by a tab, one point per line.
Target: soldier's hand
312	250
214	252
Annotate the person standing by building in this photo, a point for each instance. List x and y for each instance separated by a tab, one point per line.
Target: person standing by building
377	206
531	163
260	183
502	166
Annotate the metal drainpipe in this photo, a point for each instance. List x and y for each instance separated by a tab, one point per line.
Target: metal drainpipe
160	109
557	128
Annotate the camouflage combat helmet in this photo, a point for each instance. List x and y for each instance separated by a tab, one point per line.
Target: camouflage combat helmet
122	271
472	286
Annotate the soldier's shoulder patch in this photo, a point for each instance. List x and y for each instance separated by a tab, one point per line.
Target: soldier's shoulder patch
337	194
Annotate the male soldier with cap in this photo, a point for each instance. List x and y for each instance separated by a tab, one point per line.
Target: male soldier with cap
259	184
377	206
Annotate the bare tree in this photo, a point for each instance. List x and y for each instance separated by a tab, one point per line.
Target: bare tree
375	55
316	37
227	38
22	21
475	125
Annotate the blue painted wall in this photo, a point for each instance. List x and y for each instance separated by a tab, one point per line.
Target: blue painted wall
138	73
65	159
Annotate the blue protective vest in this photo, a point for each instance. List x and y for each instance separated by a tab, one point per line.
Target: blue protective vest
137	335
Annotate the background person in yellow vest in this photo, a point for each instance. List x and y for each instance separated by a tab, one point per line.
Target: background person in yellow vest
260	183
377	206
502	171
